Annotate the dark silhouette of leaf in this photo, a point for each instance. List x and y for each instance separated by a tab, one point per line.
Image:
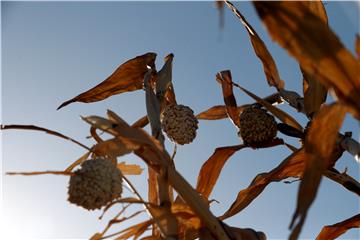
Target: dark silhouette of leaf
345	180
211	169
128	77
319	145
314	91
289	130
334	231
292	166
270	69
224	78
315	46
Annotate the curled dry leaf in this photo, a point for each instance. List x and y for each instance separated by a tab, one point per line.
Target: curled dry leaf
319	145
128	77
320	53
211	169
224	78
314	91
270	69
334	231
292	166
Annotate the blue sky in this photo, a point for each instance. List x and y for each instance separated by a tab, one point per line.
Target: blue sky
52	51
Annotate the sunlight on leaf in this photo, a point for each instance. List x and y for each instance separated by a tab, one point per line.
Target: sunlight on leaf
292	166
129	169
319	146
128	77
211	169
224	78
320	53
270	69
334	231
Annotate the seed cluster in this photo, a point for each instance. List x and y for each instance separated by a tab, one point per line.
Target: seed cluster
257	126
179	123
95	184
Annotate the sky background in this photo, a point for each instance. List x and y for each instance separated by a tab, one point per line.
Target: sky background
52	51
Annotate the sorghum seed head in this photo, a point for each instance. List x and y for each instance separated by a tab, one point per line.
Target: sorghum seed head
179	123
96	183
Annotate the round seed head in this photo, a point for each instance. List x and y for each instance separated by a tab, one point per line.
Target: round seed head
179	123
95	184
257	126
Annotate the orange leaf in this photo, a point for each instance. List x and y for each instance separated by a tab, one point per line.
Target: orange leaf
270	69
357	46
292	166
211	169
113	147
129	169
224	78
321	53
334	231
217	112
319	145
128	77
142	122
314	91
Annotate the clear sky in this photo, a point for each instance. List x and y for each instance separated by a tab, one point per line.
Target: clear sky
52	51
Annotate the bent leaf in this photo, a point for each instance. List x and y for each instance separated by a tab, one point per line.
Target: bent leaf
292	166
270	69
224	78
320	53
211	169
128	77
334	231
319	145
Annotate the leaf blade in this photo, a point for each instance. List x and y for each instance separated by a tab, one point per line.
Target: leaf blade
319	145
127	77
211	169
